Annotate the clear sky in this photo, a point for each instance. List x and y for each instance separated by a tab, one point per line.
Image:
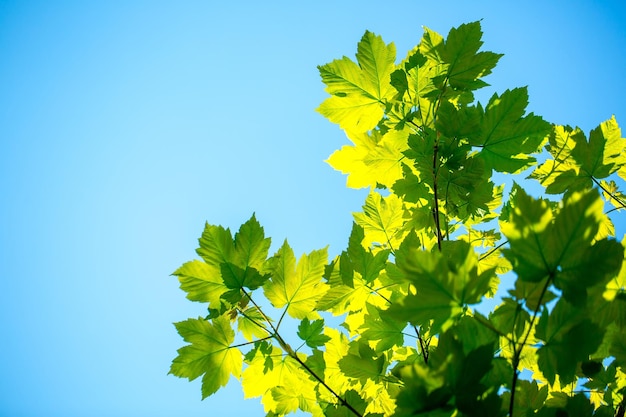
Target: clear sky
125	125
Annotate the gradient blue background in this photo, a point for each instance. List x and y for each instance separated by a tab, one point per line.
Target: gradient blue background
124	125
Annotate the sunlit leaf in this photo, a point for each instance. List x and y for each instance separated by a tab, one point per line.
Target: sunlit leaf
506	136
311	332
296	286
202	282
444	284
382	219
372	160
358	90
209	353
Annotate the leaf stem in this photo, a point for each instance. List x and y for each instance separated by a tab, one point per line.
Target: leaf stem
283	344
517	354
620	202
423	346
260	311
436	197
343	402
250	343
243	313
492	251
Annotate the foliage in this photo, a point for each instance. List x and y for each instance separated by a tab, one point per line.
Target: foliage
435	238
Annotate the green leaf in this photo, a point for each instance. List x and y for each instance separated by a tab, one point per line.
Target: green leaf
251	323
340	297
362	363
474	333
250	251
510	318
202	282
240	259
374	159
466	64
299	287
466	190
450	379
361	259
380	327
561	247
311	333
358	91
209	353
506	136
604	153
316	362
410	188
562	173
261	379
577	162
569	340
216	245
528	398
355	401
382	219
445	283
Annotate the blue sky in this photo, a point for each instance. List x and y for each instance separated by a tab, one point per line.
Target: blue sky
125	125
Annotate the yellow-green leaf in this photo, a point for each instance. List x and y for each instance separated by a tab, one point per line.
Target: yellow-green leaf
382	219
358	90
209	353
297	286
202	282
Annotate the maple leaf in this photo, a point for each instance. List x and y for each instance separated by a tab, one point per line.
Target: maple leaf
507	137
362	363
445	282
251	324
209	353
358	91
261	380
466	66
577	162
311	333
202	282
380	327
603	154
382	219
561	246
569	338
299	287
240	259
374	160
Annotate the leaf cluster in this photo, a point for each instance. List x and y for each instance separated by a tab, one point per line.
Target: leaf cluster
409	334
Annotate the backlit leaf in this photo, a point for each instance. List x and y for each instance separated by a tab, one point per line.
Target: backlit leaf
209	353
311	333
382	219
507	137
358	90
466	65
202	282
444	284
299	287
239	260
373	160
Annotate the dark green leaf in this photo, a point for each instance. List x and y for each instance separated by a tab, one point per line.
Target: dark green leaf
569	340
311	332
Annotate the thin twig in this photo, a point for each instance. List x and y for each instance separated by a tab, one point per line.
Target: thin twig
620	202
294	356
518	353
423	347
